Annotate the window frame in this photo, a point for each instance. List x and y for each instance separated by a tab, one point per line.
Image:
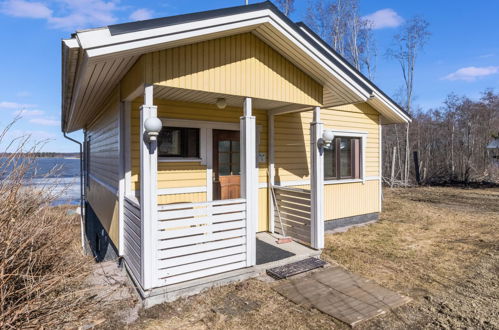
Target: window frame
363	143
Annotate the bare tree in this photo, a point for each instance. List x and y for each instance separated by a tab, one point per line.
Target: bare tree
286	6
408	43
339	23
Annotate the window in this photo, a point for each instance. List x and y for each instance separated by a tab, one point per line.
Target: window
181	142
342	159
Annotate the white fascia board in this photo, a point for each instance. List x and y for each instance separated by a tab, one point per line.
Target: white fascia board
138	45
388	104
103	38
71	43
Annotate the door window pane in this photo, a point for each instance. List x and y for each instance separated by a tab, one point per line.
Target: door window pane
224	162
223	146
236	162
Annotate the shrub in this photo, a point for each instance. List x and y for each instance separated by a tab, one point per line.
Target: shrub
42	268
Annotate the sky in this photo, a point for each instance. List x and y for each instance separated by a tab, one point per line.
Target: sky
462	55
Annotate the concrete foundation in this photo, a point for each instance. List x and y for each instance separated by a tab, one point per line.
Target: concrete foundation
99	244
340	225
271	255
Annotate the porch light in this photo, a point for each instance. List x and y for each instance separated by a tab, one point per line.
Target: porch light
221	103
326	139
152	126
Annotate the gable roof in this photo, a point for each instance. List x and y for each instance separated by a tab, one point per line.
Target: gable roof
93	61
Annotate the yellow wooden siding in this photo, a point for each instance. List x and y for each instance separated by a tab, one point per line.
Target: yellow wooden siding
263	210
133	79
241	65
182	198
105	205
292	146
349	199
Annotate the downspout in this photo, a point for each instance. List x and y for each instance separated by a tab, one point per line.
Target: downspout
82	194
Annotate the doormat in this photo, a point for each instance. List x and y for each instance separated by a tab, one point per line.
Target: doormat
295	268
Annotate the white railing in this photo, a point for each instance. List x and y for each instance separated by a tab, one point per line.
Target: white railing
133	237
199	239
293	213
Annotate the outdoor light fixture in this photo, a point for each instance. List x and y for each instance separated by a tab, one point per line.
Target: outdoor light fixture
326	139
221	103
152	127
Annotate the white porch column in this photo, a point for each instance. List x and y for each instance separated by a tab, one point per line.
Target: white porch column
271	168
249	179
148	183
317	181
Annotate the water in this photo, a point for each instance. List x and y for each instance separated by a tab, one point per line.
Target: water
64	182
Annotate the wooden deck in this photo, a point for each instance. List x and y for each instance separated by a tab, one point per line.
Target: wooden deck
341	294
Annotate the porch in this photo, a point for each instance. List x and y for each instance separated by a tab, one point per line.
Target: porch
174	238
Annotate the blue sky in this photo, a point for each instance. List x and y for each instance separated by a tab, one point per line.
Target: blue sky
462	55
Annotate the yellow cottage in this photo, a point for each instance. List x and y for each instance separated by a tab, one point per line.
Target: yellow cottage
202	130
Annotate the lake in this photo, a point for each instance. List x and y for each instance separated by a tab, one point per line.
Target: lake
64	182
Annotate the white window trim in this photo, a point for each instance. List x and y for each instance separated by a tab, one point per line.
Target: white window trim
355	134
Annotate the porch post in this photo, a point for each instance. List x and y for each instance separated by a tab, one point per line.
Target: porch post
249	179
317	182
271	178
148	183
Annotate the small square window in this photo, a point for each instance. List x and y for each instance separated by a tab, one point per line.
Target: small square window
179	142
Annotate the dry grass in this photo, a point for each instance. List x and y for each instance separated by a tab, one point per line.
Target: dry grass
436	245
41	265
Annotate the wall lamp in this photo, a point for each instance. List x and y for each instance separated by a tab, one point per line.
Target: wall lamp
153	126
326	139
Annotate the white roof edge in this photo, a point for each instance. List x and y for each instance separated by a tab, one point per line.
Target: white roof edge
392	107
71	43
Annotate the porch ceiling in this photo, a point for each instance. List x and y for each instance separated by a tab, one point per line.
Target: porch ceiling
187	95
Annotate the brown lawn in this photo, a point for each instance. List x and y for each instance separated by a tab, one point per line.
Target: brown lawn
437	245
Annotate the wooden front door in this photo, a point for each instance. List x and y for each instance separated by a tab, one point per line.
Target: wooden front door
226	165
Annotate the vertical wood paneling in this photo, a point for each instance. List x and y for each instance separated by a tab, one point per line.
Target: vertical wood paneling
240	65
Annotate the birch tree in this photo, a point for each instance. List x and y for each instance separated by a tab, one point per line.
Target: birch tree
286	6
339	23
408	44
